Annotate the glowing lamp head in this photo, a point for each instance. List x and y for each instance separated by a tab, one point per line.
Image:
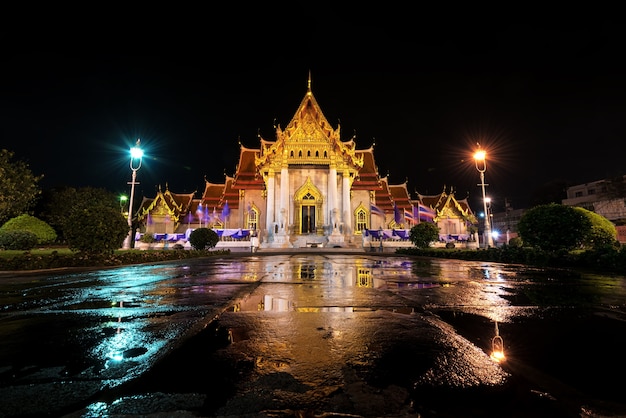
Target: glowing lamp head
497	356
480	155
480	158
497	349
136	154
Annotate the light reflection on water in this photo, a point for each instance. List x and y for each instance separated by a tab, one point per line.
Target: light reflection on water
133	313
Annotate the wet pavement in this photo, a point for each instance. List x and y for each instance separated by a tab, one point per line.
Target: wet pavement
313	334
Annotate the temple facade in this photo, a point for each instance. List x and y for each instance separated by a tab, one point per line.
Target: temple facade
305	187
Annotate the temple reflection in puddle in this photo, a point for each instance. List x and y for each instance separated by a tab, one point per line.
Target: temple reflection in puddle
349	278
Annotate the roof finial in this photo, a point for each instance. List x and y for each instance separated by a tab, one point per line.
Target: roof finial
308	88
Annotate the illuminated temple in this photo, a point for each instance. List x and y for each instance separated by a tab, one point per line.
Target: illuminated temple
305	187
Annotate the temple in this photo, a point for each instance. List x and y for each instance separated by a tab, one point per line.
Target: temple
305	187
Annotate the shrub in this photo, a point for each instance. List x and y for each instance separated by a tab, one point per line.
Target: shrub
203	238
554	227
44	233
602	233
516	242
101	231
422	234
18	240
148	238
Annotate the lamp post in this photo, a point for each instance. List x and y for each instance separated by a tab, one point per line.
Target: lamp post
481	166
123	199
136	154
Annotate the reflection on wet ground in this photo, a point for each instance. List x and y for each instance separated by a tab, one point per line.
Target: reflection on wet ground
314	335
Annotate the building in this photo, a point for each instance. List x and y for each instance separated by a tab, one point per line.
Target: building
305	187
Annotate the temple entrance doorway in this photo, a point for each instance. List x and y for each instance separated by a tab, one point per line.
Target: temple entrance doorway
308	219
308	201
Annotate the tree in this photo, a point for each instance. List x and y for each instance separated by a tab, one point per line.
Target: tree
96	230
18	187
203	238
422	234
602	232
59	204
553	227
45	233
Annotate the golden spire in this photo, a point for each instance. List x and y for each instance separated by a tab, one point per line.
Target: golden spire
308	87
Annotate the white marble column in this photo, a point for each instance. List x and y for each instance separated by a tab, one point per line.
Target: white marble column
284	198
347	210
332	196
271	185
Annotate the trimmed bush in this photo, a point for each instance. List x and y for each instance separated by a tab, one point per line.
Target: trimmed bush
203	238
45	233
18	240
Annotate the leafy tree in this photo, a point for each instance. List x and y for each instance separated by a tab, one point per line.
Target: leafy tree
602	232
18	187
554	227
45	233
96	230
57	205
422	234
203	238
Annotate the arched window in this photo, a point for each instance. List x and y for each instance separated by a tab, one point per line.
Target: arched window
361	220
252	219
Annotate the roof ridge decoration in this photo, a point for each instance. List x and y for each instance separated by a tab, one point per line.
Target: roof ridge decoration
309	139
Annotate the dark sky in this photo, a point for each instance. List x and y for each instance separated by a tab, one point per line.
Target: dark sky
547	100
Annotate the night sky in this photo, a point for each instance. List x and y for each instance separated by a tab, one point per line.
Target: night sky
546	100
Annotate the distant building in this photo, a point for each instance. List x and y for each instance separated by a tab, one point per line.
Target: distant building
504	225
598	197
604	197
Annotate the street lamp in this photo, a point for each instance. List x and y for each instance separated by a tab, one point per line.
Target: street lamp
123	199
481	166
136	154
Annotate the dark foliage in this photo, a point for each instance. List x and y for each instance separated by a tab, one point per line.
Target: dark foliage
18	240
554	227
29	261
203	238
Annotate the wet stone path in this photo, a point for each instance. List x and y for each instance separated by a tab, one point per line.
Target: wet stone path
313	335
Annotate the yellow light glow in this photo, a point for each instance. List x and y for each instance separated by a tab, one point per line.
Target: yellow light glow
497	347
497	356
480	155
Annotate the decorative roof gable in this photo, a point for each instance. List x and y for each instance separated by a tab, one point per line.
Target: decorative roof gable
174	205
446	205
308	139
